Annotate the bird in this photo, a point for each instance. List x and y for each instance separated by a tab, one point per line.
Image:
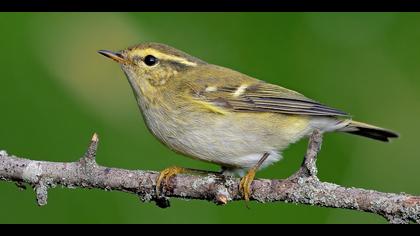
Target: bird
218	115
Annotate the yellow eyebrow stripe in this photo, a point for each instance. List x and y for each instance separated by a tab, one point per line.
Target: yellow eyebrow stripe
163	56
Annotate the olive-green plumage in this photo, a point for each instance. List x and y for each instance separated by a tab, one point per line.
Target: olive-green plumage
219	115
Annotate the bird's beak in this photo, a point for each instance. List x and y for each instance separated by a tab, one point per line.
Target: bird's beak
113	55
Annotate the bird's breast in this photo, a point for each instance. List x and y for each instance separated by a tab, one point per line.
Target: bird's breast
224	139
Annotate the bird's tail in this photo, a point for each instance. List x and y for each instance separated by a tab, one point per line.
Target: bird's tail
370	131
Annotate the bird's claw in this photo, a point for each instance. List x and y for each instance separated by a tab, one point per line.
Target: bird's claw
165	175
245	185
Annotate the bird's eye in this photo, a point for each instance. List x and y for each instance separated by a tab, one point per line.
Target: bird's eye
150	60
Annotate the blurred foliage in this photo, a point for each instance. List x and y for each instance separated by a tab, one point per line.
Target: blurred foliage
56	91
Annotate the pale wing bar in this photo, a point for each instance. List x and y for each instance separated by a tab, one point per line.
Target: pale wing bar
263	98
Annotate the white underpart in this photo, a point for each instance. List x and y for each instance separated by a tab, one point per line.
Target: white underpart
211	89
328	124
240	90
249	161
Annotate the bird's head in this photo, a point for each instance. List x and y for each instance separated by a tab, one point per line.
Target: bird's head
149	66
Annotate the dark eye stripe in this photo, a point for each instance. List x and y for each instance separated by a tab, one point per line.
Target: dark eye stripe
136	59
175	65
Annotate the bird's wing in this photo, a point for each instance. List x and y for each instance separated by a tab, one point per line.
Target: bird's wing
258	96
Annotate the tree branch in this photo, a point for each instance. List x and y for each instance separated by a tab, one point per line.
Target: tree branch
303	187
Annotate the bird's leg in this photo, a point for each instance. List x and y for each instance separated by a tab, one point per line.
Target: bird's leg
167	173
245	184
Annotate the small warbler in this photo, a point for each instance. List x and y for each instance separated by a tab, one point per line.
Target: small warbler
218	115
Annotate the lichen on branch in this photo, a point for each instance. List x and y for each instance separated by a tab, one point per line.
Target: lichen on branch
303	187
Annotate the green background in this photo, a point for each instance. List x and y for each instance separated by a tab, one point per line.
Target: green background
55	91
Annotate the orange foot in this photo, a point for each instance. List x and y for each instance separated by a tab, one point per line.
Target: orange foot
245	184
166	174
246	181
